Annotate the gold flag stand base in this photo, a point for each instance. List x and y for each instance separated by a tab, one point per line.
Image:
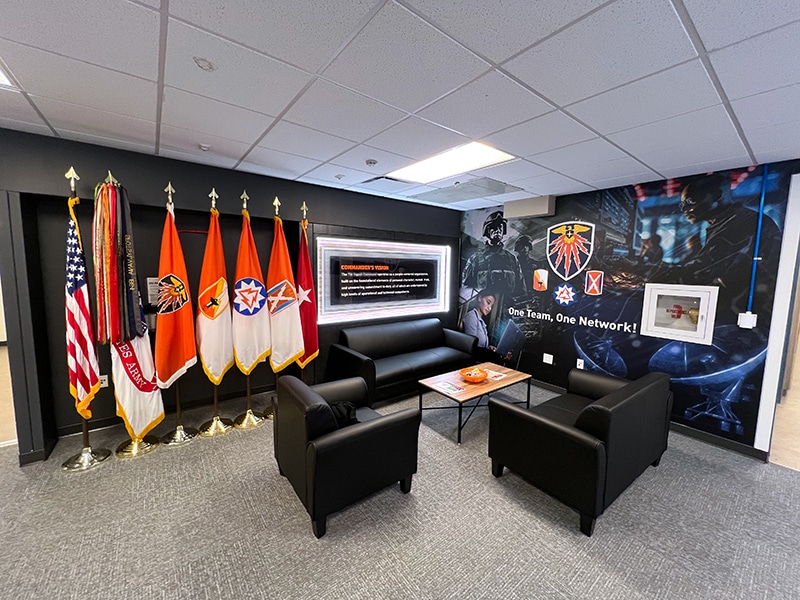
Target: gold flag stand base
216	426
134	448
87	459
181	435
249	420
268	413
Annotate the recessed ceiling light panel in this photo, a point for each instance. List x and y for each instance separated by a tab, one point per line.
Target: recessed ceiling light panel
6	80
455	161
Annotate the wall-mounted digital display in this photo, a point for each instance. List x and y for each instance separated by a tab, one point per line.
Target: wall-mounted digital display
679	312
371	279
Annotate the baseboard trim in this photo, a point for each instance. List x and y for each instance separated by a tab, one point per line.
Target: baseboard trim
715	440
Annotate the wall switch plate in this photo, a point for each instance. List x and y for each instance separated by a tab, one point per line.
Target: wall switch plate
579	363
548	358
103	381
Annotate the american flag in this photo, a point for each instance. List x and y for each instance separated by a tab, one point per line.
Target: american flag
84	380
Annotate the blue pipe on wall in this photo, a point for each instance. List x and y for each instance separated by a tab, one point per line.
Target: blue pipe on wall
756	257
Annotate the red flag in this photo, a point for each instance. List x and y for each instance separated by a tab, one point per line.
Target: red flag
175	344
284	312
84	378
307	300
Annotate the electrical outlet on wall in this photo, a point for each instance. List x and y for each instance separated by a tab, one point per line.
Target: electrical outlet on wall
103	381
579	363
548	358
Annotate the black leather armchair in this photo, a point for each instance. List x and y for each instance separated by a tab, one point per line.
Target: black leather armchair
587	446
331	467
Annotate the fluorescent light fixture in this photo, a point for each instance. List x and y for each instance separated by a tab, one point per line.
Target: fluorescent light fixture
452	162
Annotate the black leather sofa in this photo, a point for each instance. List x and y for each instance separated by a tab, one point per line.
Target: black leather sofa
330	464
587	446
392	357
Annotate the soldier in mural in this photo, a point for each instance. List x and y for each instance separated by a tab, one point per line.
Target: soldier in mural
523	247
494	266
726	257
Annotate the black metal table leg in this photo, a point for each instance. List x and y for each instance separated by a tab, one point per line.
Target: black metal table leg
460	407
528	402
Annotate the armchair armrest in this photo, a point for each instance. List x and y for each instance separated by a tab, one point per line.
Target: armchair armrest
349	463
561	460
352	389
593	385
460	341
344	362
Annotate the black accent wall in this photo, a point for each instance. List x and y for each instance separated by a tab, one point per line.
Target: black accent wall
33	221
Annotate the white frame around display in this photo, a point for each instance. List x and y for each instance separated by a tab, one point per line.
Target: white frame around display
703	297
329	248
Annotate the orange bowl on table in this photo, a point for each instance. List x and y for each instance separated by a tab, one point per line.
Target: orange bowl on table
474	374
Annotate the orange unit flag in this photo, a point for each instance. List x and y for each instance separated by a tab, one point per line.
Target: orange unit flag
284	311
214	341
175	344
251	331
308	303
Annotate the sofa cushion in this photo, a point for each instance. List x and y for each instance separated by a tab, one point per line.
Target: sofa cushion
380	341
416	365
562	409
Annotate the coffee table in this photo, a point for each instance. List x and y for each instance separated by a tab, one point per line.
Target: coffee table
452	385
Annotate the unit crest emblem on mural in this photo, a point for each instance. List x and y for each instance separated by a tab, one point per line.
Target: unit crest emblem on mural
569	247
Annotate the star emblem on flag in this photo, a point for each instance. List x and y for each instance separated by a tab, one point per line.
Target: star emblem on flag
249	296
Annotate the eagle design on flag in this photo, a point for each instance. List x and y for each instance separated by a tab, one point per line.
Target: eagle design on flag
171	294
569	247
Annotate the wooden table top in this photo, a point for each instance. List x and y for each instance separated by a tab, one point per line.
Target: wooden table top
453	386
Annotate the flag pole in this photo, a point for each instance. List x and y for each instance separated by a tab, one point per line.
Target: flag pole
87	458
179	435
217	425
250	419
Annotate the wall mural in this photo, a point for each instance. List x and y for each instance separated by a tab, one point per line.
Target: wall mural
540	293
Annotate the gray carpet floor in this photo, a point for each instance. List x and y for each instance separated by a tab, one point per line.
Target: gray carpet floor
214	519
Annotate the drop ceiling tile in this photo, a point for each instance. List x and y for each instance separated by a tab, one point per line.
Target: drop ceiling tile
694	138
222	152
594	55
553	184
66	117
107	142
241	77
403	61
456	180
417	139
419	189
770	108
498	30
725	22
472	204
204	159
320	182
44	74
678	90
349	177
40	129
280	29
358	156
332	109
206	116
582	153
614	182
715	164
548	132
624	166
303	141
488	104
279	164
81	30
14	106
511	171
759	64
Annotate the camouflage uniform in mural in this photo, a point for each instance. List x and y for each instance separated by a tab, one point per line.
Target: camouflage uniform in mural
493	266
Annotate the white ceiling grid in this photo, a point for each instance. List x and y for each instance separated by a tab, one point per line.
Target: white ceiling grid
589	94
